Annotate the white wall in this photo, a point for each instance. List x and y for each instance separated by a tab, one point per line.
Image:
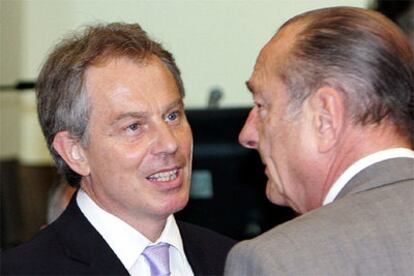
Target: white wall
215	42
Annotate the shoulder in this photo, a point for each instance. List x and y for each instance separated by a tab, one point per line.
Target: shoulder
350	215
373	211
203	236
206	250
69	246
373	227
32	256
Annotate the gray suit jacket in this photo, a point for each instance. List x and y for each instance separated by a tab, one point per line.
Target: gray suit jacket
367	230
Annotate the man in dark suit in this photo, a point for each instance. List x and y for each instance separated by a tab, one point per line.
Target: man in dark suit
334	125
110	104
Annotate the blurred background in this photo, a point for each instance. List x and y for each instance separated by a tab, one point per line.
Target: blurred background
215	44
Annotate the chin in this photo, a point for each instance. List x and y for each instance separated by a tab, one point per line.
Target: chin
175	203
278	200
275	197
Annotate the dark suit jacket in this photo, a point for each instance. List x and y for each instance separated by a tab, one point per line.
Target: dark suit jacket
71	245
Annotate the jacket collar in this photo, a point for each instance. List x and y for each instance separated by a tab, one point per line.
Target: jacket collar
84	244
380	174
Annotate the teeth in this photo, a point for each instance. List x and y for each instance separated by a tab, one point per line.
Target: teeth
164	176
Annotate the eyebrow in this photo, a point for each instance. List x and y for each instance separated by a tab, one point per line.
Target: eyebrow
129	115
135	114
249	86
176	103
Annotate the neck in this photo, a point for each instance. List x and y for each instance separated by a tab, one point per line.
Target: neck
149	225
151	229
357	143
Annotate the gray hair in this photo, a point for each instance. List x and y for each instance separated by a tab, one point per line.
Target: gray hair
360	53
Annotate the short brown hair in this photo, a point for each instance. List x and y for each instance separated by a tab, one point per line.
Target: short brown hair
62	101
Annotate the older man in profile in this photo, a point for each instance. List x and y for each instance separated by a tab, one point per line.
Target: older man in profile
333	122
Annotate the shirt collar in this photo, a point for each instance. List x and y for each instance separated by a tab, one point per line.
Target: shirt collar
361	164
126	242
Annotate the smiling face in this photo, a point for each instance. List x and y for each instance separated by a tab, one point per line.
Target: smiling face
139	152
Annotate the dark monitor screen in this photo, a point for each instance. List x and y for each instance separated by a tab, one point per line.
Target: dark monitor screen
228	181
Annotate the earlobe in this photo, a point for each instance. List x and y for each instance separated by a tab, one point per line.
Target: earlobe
329	109
71	151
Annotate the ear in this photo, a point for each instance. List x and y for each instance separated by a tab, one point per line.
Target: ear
72	152
329	114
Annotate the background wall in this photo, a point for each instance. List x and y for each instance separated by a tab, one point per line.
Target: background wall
215	44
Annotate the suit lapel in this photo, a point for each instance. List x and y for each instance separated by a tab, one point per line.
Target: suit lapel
196	255
84	244
383	173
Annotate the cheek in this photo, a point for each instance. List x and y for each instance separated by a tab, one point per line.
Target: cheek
122	156
268	136
134	151
136	157
185	138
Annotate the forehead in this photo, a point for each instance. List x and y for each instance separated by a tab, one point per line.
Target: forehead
123	86
275	53
120	74
263	73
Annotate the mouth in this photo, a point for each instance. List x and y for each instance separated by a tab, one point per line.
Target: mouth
164	176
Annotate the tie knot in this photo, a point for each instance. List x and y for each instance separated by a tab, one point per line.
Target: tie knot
158	258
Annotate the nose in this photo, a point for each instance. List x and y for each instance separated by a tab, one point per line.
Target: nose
249	136
166	142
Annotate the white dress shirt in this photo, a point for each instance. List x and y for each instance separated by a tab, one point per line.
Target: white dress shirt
128	243
361	164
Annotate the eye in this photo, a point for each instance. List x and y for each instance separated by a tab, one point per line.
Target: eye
261	109
173	116
133	127
258	105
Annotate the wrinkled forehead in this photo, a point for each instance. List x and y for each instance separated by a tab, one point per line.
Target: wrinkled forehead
277	50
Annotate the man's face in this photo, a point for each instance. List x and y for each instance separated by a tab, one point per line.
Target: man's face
140	143
280	137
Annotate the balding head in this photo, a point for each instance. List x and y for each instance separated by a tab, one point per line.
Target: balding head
357	51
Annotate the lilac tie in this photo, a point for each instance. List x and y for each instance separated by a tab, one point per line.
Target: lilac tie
158	258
